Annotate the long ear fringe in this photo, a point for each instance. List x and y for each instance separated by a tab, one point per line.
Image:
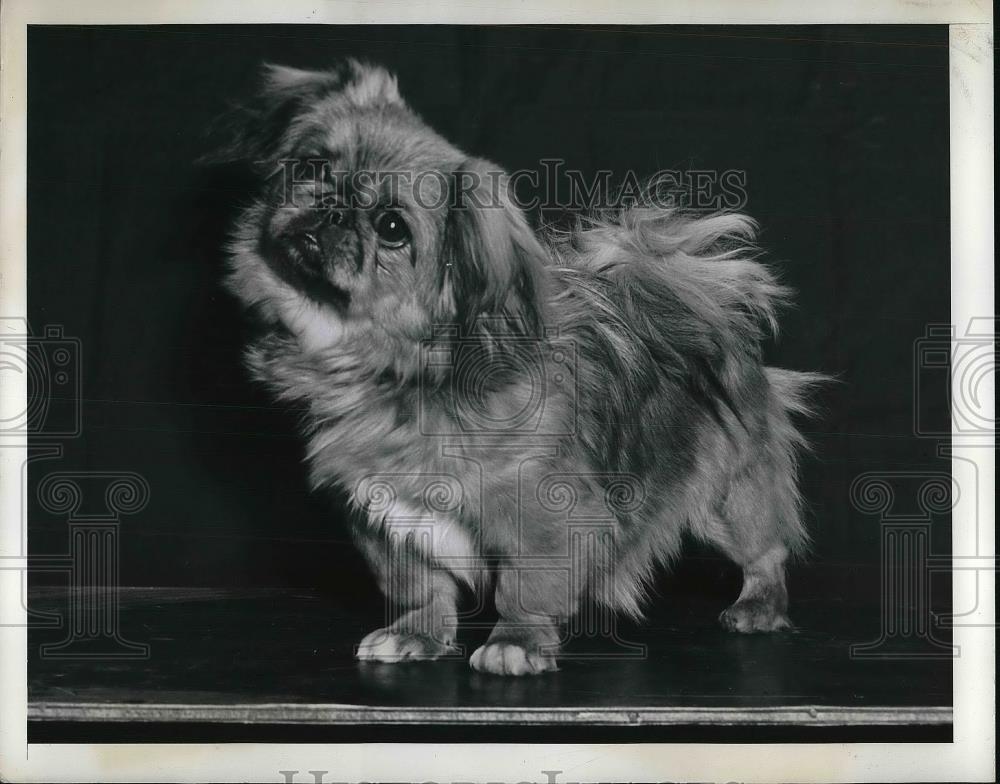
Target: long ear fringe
494	263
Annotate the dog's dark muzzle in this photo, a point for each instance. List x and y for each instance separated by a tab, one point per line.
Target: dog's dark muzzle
321	245
308	253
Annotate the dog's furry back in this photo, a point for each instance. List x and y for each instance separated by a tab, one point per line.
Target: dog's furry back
668	311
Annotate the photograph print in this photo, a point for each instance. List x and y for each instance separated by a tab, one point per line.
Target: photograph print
490	383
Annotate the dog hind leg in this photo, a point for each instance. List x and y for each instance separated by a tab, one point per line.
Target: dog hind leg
758	527
758	520
762	605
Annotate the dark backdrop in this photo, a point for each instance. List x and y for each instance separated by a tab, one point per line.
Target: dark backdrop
843	133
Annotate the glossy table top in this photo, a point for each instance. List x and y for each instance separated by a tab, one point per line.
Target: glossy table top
272	657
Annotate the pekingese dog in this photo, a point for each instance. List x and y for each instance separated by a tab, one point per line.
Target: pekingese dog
541	416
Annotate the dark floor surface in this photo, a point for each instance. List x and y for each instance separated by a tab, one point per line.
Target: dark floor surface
220	657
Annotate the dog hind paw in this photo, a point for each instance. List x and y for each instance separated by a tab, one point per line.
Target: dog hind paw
386	645
502	658
753	615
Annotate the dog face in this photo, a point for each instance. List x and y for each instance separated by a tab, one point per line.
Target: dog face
368	222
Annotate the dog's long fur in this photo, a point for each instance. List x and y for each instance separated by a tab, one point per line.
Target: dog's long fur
638	334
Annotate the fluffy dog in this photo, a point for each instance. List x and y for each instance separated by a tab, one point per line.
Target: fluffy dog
542	416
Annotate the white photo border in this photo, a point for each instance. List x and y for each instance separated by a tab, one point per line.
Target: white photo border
971	755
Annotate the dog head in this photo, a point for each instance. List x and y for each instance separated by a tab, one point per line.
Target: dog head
368	224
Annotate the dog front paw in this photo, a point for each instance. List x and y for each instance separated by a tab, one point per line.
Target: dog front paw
754	615
387	645
507	658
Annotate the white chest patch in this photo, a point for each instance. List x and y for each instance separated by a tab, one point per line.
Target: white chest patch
316	326
439	538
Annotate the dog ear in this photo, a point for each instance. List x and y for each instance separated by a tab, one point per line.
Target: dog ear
258	130
492	261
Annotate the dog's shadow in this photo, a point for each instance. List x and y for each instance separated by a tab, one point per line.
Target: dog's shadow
242	445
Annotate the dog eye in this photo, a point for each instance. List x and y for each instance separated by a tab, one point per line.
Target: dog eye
392	229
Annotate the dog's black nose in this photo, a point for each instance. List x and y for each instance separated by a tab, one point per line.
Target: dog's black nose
335	225
338	216
319	241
